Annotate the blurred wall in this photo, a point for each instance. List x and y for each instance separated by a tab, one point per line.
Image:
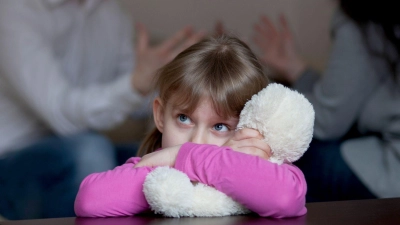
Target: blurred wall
309	19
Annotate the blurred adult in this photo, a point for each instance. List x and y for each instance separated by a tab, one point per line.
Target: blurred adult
356	151
67	70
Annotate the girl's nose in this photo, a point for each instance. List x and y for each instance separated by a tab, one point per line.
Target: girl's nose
198	138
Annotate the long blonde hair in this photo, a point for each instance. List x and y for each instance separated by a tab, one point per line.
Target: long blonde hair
223	69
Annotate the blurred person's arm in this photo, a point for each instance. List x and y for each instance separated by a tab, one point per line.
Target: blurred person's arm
29	67
338	95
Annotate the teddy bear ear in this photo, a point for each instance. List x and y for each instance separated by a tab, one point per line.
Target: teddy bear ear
284	117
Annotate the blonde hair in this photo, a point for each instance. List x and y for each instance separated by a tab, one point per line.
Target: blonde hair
223	69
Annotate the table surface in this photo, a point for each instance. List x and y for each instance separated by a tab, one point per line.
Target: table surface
365	212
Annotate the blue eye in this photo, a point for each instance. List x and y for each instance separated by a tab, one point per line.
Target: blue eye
184	119
220	127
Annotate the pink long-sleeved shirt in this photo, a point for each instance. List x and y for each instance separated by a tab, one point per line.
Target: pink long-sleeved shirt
263	187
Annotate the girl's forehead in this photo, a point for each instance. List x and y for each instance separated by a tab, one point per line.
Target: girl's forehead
187	104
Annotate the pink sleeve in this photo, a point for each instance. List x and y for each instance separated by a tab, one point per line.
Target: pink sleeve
263	187
116	192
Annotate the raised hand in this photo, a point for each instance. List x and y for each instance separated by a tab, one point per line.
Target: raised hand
150	58
219	29
249	141
278	48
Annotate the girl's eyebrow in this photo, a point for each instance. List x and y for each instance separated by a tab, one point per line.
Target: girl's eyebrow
177	109
230	120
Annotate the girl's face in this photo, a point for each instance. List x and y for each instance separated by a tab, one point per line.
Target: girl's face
203	126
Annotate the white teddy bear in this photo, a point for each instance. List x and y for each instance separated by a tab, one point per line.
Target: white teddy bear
284	117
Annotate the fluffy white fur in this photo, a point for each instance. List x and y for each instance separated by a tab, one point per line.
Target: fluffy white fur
170	192
284	117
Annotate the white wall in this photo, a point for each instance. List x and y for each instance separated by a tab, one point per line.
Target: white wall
309	19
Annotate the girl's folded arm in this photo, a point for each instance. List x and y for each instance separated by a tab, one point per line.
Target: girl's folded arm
116	192
263	187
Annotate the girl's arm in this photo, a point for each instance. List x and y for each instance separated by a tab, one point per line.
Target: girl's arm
116	192
263	187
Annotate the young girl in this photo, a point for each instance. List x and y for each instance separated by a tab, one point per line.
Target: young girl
201	94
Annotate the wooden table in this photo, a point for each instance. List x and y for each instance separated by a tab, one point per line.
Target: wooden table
365	212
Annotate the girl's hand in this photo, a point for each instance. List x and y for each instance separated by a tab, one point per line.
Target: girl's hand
278	48
249	141
163	157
